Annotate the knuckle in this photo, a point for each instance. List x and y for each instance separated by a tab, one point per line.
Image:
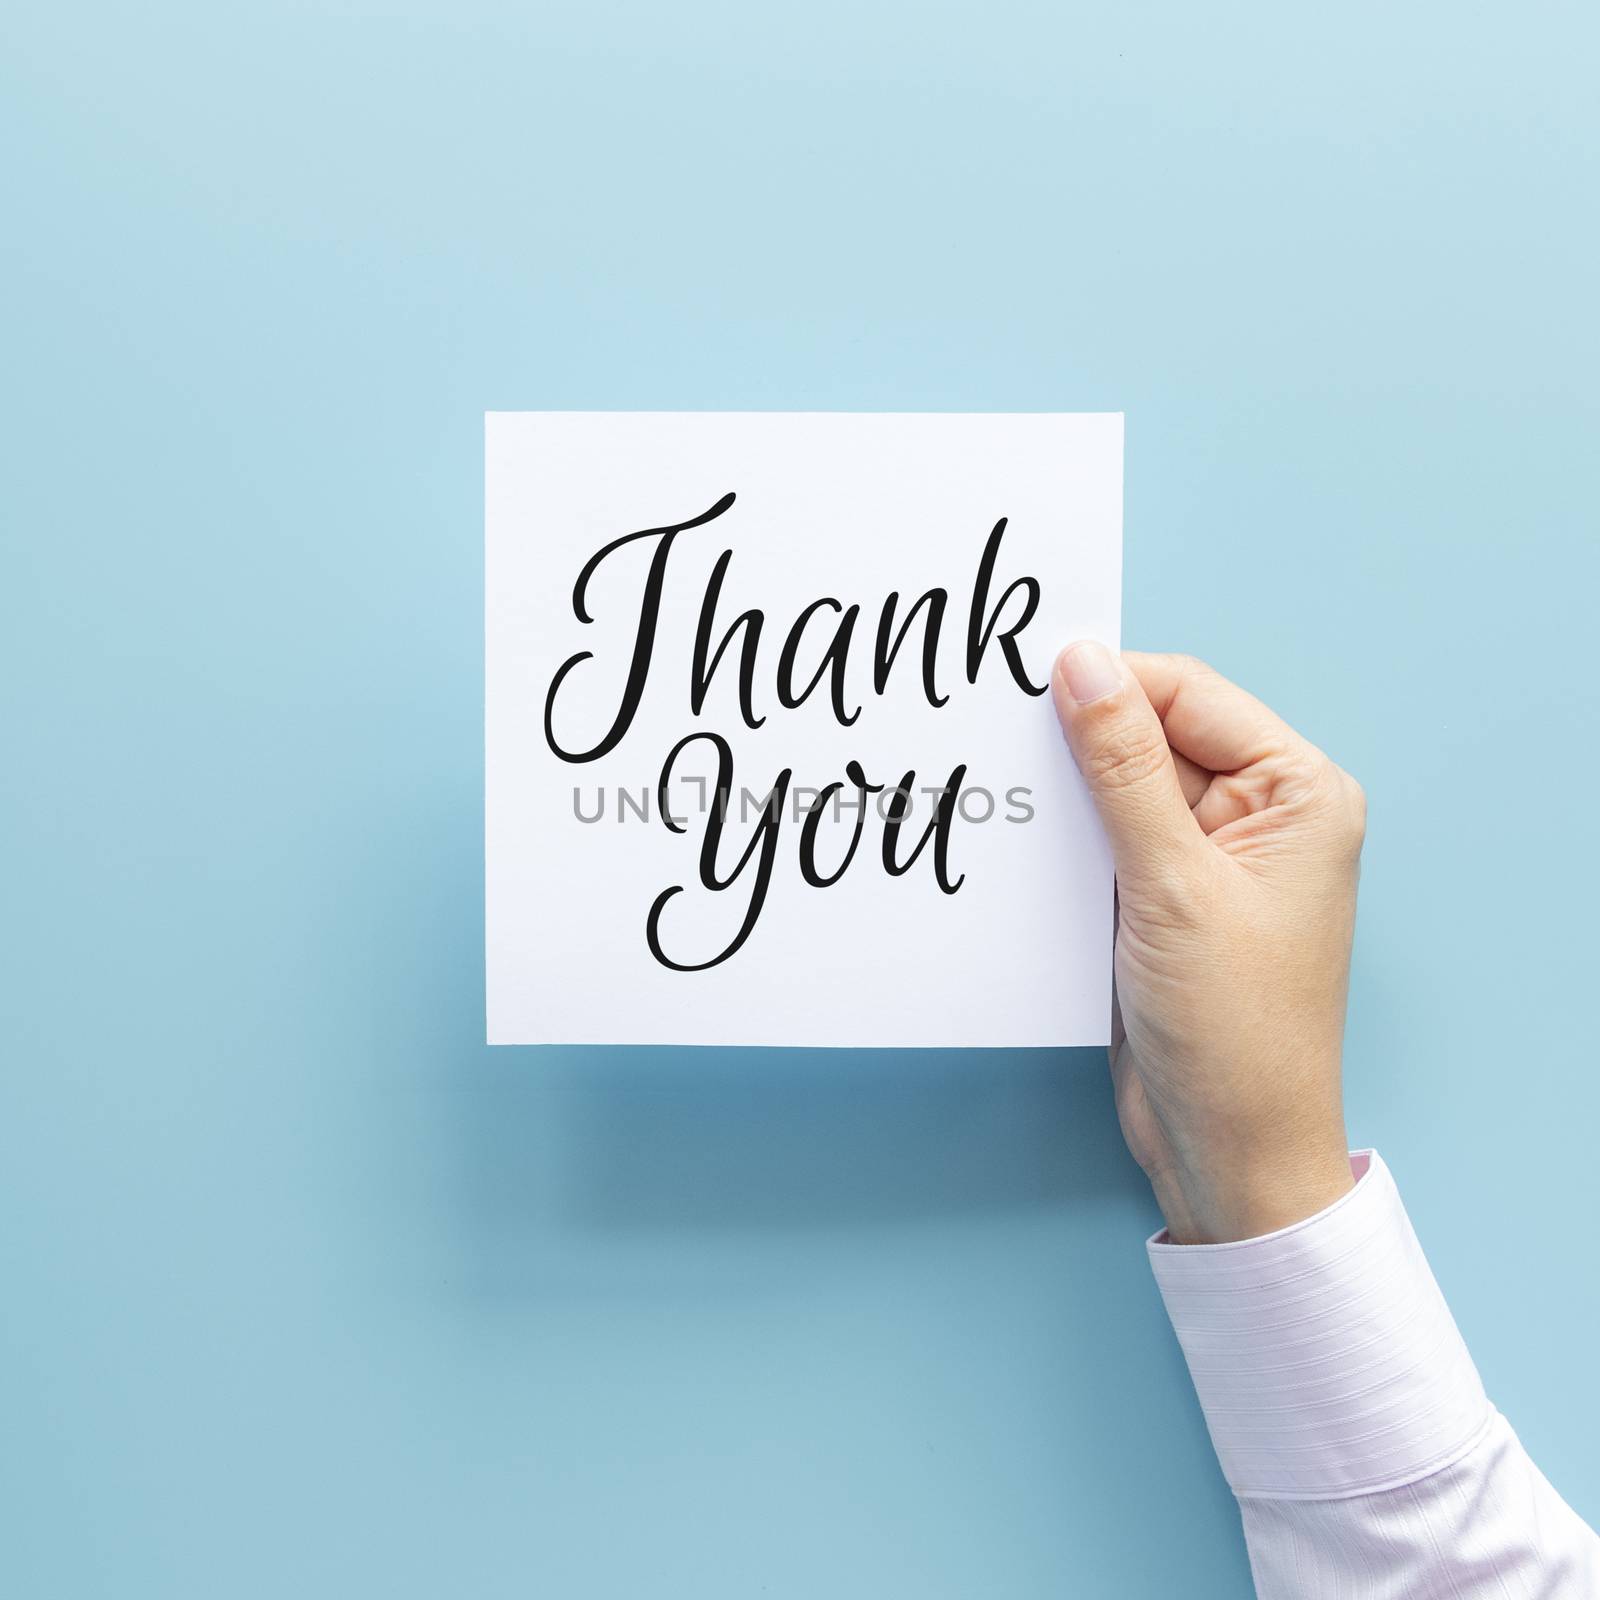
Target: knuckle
1164	894
1343	802
1186	668
1124	757
1355	801
1304	776
1170	895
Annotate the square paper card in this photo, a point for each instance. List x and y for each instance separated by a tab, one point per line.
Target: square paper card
771	757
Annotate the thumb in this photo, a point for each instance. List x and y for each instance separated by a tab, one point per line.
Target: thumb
1121	749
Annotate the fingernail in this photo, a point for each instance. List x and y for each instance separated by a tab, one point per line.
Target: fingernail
1089	671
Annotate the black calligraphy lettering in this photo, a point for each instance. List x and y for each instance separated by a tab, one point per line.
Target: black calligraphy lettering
834	656
935	600
938	830
764	839
750	622
644	634
980	629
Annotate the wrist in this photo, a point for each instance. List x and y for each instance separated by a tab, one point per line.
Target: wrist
1238	1198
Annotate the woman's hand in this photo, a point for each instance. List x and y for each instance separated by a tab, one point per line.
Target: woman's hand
1237	847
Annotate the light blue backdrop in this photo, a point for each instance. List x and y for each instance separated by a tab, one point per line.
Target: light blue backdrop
305	1292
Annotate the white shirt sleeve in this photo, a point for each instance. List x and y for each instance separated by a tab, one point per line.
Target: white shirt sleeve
1351	1423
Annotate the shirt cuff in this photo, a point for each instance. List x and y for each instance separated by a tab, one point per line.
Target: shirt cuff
1326	1360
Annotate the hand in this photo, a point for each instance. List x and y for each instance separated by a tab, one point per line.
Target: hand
1237	847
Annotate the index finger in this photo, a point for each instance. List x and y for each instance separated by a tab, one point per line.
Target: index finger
1213	722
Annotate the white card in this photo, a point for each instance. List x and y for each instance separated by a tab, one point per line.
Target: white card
798	890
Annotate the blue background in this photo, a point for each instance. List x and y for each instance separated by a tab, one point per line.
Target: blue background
305	1291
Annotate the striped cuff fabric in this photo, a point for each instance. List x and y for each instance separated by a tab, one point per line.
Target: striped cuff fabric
1326	1360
